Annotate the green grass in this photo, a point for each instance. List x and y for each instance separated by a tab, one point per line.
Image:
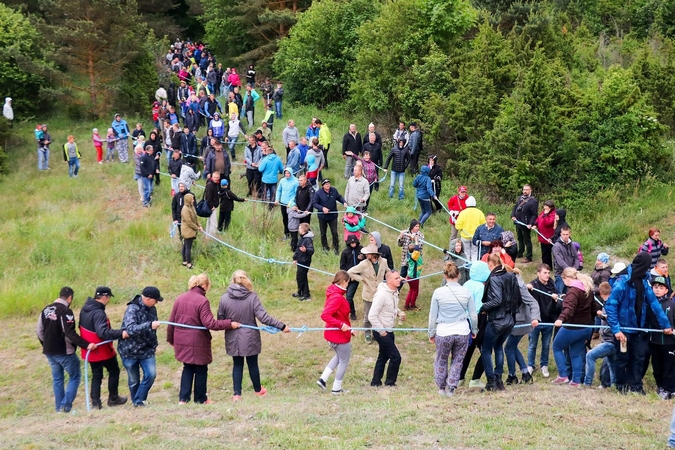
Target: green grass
92	230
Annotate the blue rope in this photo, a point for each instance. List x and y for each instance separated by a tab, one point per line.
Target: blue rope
518	222
172	229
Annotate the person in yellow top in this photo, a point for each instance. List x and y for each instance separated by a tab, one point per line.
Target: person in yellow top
324	140
71	155
232	107
467	222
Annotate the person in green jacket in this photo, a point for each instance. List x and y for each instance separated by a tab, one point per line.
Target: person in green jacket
72	156
324	139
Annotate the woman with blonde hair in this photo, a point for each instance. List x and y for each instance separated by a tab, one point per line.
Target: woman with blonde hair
192	346
578	309
241	304
452	317
189	227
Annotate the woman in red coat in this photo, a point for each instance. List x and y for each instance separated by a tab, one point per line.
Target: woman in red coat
336	315
545	224
193	346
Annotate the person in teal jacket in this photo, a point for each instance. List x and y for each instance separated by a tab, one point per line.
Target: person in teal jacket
270	167
285	194
626	307
478	274
248	109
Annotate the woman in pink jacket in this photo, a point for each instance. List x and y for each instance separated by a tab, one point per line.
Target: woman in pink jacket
193	346
545	224
336	315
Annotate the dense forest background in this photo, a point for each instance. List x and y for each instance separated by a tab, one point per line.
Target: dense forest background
577	94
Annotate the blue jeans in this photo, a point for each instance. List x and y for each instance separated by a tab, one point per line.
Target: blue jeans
73	166
606	349
147	190
43	158
572	341
559	285
277	108
671	438
169	153
546	333
493	342
174	184
513	355
392	181
231	143
425	206
139	390
63	398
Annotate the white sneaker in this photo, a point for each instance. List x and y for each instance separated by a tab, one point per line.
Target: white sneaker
544	371
442	393
530	369
476	384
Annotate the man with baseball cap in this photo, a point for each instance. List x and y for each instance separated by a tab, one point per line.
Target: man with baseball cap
138	351
371	272
95	327
456	205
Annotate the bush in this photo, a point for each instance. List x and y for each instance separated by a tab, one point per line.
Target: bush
138	85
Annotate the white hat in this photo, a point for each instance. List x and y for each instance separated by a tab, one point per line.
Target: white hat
618	268
471	201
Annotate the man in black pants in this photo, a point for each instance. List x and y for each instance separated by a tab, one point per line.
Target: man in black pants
525	210
325	201
304	198
95	328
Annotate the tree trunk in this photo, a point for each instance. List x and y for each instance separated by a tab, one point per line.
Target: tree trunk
92	78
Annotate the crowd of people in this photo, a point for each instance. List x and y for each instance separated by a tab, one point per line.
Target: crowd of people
484	302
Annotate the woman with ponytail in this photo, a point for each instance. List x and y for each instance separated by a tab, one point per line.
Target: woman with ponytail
578	309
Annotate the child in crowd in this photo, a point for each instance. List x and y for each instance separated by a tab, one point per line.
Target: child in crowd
156	108
140	141
606	349
580	256
661	270
303	255
601	272
351	256
294	216
38	133
110	139
455	255
354	223
137	133
662	346
414	271
138	153
227	199
312	170
617	270
98	144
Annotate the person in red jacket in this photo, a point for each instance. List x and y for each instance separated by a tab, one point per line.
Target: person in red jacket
336	315
545	224
456	205
193	346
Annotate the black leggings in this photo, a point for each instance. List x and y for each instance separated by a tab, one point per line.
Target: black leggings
238	372
187	250
475	343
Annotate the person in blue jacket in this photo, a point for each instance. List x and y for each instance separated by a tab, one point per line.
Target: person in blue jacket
425	192
121	130
270	167
285	194
626	307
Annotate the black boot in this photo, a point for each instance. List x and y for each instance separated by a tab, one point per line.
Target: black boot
491	385
527	378
119	400
512	379
499	384
96	404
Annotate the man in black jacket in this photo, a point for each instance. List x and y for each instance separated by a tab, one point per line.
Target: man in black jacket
177	204
95	327
415	147
501	301
304	198
401	156
213	200
547	298
325	201
148	169
351	142
525	210
56	332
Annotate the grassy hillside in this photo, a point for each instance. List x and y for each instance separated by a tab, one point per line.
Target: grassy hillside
92	230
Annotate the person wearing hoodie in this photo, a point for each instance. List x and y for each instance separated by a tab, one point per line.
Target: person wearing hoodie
401	158
383	315
564	256
250	98
549	309
351	256
375	238
121	130
452	318
579	308
353	223
218	126
467	222
187	174
371	272
436	175
425	193
285	194
192	346
295	218
478	275
302	258
304	197
227	199
189	227
270	168
95	327
336	315
528	314
241	304
415	146
601	271
654	246
138	350
8	112
627	307
560	222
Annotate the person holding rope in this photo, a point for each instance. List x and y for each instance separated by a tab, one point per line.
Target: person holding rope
425	193
545	228
452	318
357	192
121	130
374	148
241	304
336	315
325	201
456	204
545	293
564	255
525	211
412	235
486	234
192	346
95	327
